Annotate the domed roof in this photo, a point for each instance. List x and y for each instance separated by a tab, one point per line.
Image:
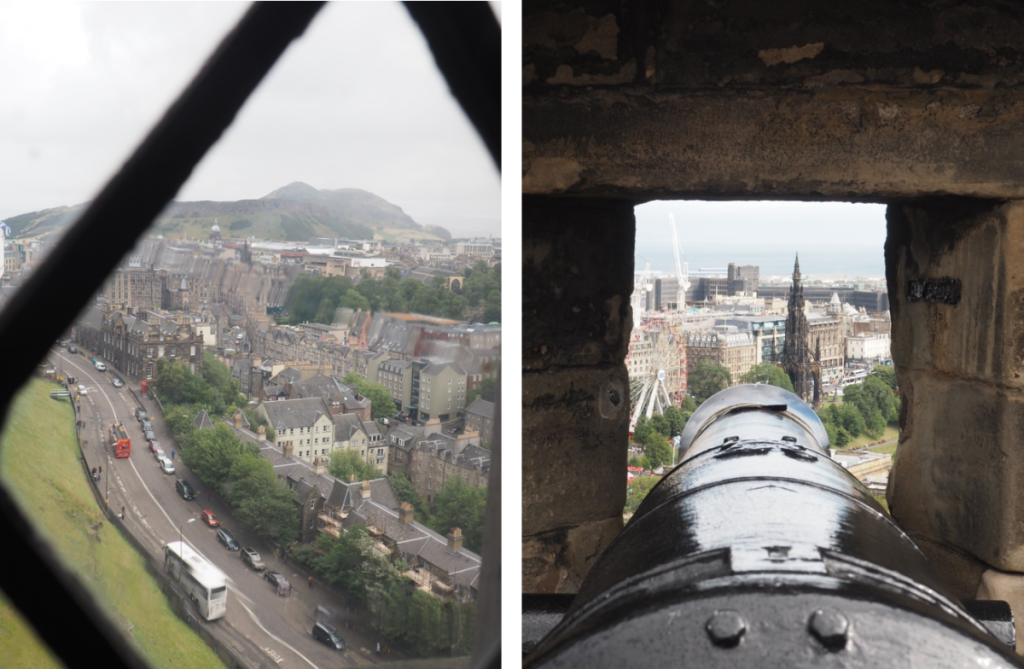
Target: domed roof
215	228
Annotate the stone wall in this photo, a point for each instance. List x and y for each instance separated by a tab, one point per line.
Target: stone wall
577	278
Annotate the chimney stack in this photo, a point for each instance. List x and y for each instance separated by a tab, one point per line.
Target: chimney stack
318	465
262	431
405	513
454	540
287	449
364	490
238	419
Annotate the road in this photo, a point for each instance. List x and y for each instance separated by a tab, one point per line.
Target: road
276	627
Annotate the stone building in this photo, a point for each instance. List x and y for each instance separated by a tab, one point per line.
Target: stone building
363	438
725	346
304	427
480	419
437	458
133	341
798	357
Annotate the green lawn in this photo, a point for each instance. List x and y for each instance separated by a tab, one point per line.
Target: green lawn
39	464
891	432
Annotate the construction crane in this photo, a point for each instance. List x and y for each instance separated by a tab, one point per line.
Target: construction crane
682	269
642	285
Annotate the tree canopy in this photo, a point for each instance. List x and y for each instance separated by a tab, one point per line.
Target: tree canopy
382	406
461	505
345	463
770	374
706	379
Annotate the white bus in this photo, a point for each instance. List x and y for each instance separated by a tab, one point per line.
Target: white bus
201	581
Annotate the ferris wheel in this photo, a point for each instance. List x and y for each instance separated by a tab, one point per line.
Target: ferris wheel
657	369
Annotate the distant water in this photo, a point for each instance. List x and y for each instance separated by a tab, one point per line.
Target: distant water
832	260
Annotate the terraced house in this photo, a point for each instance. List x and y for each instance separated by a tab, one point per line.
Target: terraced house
305	428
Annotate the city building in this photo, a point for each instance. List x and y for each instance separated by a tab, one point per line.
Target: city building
480	419
305	427
870	348
133	341
726	346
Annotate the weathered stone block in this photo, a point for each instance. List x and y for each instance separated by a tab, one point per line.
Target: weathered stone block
577	279
978	247
575	431
956	478
557	561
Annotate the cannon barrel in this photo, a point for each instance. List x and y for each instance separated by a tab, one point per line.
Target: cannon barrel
759	550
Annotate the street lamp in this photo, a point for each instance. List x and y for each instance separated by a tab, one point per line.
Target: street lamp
181	545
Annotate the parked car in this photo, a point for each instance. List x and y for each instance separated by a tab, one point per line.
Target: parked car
252	558
72	349
100	367
165	464
155	448
147	424
328	635
280	582
225	538
209	518
140	413
158	452
150	435
82	390
185	489
117	383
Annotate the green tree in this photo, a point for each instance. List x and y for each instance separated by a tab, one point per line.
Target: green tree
636	491
212	453
345	464
661	425
256	419
706	379
768	373
382	406
677	419
657	451
642	432
406	492
262	502
459	504
887	375
873	396
487	389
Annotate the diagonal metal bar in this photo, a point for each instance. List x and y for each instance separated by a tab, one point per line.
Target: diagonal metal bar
465	39
46	593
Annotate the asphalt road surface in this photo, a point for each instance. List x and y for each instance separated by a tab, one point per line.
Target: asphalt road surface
273	631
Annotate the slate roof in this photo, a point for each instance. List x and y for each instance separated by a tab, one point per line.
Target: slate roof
463	566
346	425
203	422
286	414
347	494
481	407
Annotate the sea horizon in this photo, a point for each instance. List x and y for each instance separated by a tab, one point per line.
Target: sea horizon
852	261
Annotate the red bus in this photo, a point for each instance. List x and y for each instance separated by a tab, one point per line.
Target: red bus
120	441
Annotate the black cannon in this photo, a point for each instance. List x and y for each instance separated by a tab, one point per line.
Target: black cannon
759	550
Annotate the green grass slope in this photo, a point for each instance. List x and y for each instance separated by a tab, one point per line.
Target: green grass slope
39	464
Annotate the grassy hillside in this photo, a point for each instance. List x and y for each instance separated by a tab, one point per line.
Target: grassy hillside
296	212
58	499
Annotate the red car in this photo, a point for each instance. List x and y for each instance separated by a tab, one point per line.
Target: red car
208	518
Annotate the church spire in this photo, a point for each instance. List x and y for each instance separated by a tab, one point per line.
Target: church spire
796	269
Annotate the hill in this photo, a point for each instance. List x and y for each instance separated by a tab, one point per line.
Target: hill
296	212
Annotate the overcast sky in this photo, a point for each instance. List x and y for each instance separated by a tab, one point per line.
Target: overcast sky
356	103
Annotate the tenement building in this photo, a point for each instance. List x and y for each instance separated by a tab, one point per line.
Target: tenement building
133	341
725	346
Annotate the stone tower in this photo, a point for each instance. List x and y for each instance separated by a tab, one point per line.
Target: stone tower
797	360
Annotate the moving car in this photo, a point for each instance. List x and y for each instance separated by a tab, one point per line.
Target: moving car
185	489
117	383
207	517
328	635
100	367
225	538
82	390
165	464
252	558
280	582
